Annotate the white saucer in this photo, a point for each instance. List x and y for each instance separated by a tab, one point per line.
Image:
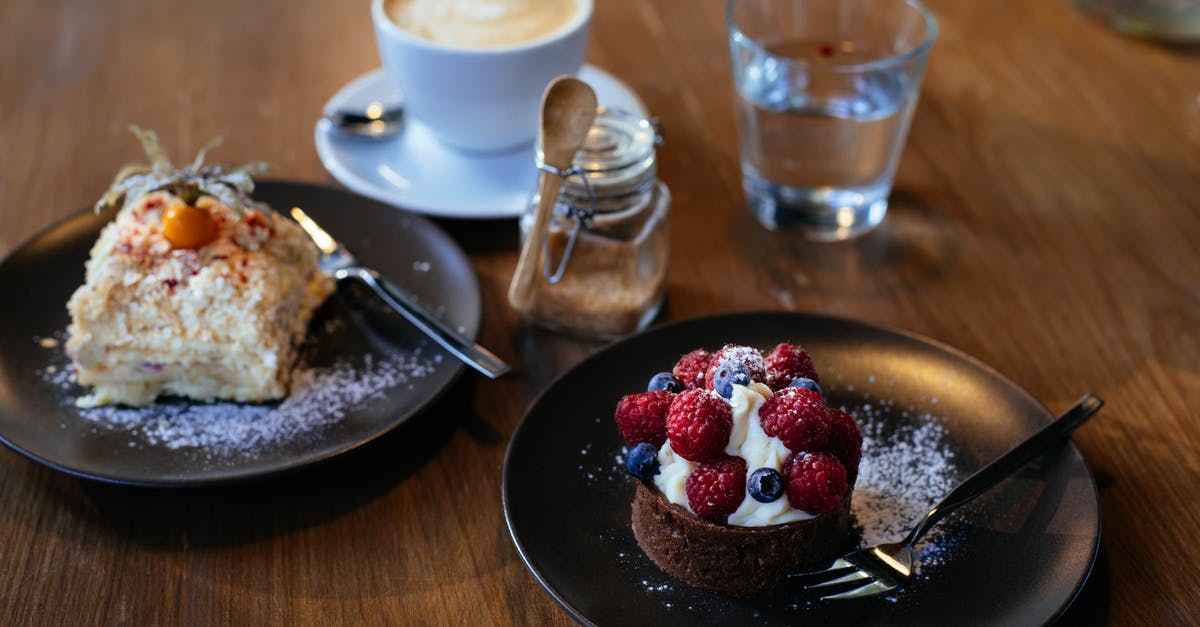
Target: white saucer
413	171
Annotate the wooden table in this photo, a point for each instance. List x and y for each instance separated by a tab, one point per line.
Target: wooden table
1045	220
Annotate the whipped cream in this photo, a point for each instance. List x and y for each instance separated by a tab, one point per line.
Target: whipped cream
748	441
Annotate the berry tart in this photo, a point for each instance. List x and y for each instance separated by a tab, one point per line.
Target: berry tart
745	473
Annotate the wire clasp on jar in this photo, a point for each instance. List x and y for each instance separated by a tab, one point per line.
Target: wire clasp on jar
582	216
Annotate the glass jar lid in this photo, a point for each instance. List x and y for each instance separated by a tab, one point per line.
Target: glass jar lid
617	156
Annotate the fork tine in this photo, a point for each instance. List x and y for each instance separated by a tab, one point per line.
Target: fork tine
852	576
838	565
840	562
872	589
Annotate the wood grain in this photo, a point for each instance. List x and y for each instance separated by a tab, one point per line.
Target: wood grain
1044	220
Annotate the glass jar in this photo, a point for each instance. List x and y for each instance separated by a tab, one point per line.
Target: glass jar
604	262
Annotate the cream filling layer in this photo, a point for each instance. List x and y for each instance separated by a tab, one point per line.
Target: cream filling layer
748	441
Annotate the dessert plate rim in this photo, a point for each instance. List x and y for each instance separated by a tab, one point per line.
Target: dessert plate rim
567	511
38	421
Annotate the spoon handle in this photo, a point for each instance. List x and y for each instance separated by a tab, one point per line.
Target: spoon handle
520	291
568	109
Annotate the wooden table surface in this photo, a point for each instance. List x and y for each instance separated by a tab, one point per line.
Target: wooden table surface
1045	220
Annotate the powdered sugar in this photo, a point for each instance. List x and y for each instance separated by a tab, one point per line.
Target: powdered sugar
606	468
907	466
320	397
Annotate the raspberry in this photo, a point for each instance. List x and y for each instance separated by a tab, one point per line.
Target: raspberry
845	440
798	418
642	417
716	489
747	355
816	482
787	362
698	425
691	367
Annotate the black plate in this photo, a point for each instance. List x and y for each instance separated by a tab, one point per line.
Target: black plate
1019	559
38	419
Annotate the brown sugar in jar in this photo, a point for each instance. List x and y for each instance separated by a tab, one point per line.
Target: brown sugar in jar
605	260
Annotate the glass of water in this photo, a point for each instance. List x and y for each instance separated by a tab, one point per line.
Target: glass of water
825	92
1174	21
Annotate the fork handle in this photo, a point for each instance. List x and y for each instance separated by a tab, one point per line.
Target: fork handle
459	345
1008	463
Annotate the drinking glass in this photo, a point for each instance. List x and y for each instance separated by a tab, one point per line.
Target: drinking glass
1173	21
825	93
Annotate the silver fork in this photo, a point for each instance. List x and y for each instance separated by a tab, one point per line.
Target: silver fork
884	567
338	262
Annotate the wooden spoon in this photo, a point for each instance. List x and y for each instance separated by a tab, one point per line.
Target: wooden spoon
568	110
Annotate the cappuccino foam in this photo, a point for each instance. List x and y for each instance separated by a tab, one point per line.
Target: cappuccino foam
482	23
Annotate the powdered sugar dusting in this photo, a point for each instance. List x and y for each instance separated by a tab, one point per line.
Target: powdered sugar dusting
605	468
907	466
320	397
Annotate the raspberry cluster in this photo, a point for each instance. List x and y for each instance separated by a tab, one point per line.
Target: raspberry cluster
689	408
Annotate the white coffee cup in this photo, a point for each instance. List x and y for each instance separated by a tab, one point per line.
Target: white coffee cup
479	99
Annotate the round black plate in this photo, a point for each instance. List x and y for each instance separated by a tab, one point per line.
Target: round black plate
37	417
1019	558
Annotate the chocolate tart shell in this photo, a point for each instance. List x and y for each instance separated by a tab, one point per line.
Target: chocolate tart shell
736	561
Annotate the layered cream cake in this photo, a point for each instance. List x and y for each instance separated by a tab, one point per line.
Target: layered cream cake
193	295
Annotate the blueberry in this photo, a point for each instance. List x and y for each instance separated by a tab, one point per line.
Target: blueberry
808	384
665	381
642	461
765	485
728	373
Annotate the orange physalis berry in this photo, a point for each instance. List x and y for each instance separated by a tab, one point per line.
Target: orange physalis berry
188	226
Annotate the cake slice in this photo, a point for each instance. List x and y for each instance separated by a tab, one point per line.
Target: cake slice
192	290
